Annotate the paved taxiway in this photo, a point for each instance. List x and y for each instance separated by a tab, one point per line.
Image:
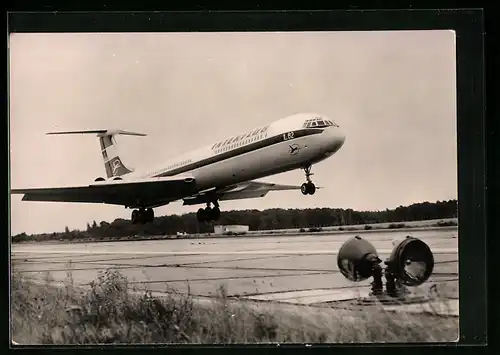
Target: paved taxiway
294	269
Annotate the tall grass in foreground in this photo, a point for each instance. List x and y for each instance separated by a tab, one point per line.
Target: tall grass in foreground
108	313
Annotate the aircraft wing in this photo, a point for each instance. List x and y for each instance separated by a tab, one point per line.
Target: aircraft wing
250	189
136	193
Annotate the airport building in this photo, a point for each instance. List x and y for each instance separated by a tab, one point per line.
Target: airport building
231	229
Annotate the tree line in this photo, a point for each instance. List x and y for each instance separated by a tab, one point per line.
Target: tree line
269	219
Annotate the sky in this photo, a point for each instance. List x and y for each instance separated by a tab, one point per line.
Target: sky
392	93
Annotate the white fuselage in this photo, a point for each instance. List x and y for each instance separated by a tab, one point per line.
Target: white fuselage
279	147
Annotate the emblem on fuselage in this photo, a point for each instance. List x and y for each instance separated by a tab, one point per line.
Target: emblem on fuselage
294	149
116	165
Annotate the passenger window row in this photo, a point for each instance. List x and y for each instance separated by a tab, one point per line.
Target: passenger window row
240	143
174	166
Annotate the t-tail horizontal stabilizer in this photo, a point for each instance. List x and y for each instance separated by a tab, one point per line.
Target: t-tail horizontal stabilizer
102	132
112	162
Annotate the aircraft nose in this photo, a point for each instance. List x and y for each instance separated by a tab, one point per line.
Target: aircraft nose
342	138
337	138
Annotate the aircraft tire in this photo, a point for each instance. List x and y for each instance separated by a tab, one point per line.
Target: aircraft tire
215	214
200	215
311	188
149	215
135	214
304	189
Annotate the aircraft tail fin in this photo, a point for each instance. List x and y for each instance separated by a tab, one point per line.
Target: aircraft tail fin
109	150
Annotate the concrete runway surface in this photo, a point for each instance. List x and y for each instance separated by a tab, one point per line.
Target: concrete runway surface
286	269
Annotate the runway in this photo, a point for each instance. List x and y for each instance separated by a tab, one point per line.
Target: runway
289	269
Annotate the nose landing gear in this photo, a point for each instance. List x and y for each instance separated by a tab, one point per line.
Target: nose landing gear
308	188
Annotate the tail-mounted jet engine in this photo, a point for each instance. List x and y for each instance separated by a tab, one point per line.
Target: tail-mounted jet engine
410	264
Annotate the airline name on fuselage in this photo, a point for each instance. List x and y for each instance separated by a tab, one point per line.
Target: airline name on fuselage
240	137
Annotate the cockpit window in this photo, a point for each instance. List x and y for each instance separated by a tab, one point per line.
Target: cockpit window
318	122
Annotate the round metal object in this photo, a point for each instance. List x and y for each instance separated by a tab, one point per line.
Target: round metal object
356	259
411	261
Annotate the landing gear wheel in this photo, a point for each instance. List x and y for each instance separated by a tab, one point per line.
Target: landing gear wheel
215	214
149	215
142	216
308	188
135	215
200	215
311	188
208	214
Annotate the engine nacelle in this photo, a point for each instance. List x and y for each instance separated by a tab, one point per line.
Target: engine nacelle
356	258
411	261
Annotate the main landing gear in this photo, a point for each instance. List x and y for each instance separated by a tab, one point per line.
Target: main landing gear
208	214
143	216
308	188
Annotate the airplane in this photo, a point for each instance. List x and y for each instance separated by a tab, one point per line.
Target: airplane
225	170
